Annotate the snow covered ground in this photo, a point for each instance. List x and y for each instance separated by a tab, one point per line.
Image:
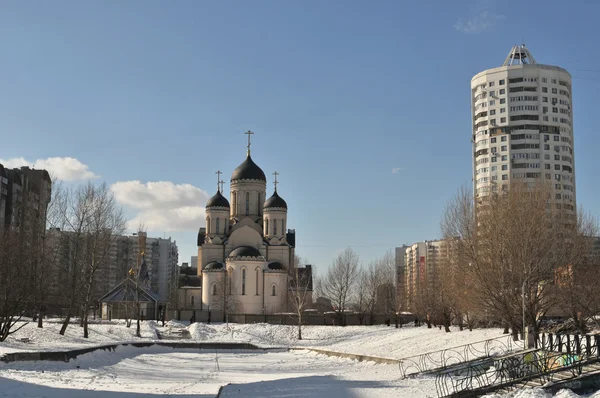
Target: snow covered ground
48	338
178	372
146	372
381	341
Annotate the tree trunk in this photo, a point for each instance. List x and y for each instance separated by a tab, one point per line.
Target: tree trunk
40	317
63	329
137	329
85	326
515	332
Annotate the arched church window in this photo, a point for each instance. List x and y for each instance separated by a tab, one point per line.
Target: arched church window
247	203
267	226
274	227
258	204
191	301
214	289
208	225
234	202
243	281
273	290
257	273
218	226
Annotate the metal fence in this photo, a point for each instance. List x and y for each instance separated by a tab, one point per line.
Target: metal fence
288	319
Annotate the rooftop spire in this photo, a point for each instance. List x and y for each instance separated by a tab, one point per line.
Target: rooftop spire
222	182
218	173
519	55
275	181
249	133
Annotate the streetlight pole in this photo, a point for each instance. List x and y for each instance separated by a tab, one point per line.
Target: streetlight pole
523	331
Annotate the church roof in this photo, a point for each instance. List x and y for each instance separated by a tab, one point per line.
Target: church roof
248	170
275	201
217	200
213	266
126	291
244	251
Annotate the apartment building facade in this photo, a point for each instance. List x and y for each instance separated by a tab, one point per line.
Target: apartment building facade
523	127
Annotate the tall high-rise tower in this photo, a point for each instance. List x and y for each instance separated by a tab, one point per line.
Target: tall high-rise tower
523	127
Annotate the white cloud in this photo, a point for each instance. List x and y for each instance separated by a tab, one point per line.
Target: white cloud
479	22
66	169
395	170
162	205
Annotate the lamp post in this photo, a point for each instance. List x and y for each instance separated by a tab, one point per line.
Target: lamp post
523	332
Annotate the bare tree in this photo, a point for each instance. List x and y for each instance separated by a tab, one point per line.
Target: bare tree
384	283
361	295
106	224
339	282
90	220
300	289
15	283
577	283
508	244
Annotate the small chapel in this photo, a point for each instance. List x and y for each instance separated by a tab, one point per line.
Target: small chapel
246	250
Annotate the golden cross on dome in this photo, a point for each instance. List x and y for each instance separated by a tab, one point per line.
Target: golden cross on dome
222	182
275	182
249	133
218	173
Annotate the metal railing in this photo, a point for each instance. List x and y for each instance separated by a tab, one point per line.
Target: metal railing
560	358
443	359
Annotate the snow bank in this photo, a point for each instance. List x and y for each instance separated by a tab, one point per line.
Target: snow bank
382	341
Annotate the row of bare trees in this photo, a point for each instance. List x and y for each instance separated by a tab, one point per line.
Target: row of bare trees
368	291
513	258
40	269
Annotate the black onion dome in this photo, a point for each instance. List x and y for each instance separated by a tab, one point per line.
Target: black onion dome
276	265
217	200
275	201
244	251
213	266
248	170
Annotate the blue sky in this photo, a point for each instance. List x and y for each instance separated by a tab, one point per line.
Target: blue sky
339	94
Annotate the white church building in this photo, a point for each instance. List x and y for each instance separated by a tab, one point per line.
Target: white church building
246	250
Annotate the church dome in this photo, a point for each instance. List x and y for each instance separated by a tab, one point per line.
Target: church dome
275	201
244	251
276	265
248	170
217	200
213	266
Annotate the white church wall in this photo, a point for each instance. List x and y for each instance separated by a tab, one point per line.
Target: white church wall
277	222
208	279
208	253
212	215
275	303
246	297
245	236
281	254
256	191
